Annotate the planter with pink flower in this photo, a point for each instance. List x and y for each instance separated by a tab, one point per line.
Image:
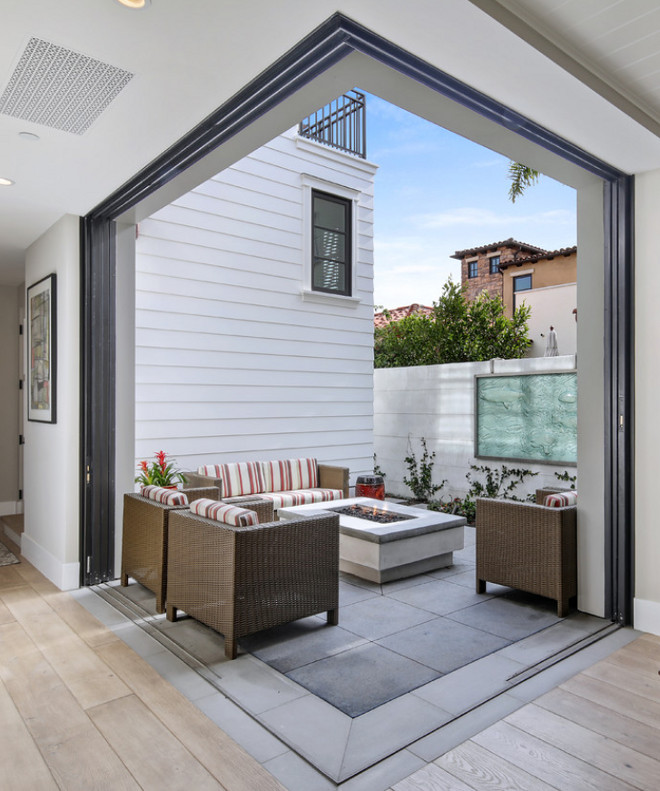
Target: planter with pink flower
161	471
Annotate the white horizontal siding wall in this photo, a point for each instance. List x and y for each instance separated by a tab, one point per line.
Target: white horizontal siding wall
232	362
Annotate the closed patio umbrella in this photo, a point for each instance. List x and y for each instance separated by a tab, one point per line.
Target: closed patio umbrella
551	349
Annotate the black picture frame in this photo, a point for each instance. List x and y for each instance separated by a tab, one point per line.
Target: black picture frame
42	350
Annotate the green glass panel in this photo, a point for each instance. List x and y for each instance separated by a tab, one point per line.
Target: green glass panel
531	417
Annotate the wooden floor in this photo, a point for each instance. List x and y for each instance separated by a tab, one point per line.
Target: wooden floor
80	710
598	731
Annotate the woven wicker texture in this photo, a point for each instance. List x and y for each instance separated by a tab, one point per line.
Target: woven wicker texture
529	547
144	540
240	580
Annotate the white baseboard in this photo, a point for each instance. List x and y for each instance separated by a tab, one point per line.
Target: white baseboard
10	507
647	616
66	576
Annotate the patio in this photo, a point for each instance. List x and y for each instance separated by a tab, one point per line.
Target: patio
408	661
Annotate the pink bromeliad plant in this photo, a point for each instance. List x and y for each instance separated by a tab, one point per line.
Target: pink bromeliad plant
159	472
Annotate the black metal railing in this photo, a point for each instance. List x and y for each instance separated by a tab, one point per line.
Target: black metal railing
340	124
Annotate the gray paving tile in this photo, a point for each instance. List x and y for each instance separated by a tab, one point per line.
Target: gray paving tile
380	616
106	613
350	593
299	643
385	773
387	729
387	588
244	729
471	685
255	686
439	597
512	616
196	638
137	594
450	571
137	638
443	644
459	730
314	729
180	675
362	678
296	774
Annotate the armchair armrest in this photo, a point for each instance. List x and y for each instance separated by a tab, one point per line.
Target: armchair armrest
195	480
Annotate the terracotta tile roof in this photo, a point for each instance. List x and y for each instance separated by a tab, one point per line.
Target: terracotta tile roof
396	314
484	248
544	256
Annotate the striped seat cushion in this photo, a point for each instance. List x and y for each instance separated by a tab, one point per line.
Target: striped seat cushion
238	478
560	499
302	497
284	475
165	496
223	512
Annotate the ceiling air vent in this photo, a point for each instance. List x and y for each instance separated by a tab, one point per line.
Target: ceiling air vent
59	88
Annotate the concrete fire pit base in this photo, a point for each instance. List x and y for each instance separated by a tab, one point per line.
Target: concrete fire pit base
425	541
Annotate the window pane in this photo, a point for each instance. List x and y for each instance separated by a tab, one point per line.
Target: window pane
522	283
495	265
473	268
329	244
329	214
329	275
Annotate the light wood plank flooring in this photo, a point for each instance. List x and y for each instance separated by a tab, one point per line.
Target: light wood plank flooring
80	710
598	730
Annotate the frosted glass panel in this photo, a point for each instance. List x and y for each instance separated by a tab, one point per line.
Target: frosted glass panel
531	417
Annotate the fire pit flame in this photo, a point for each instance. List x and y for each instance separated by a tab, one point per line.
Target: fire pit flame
372	514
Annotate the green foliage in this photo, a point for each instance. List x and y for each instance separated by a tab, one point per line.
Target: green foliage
377	469
498	483
521	176
460	506
457	331
420	481
564	476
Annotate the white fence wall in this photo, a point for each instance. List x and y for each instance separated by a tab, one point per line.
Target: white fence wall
233	361
436	402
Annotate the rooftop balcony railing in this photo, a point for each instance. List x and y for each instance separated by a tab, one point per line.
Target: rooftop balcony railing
340	124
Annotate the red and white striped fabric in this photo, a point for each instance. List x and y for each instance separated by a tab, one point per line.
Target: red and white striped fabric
302	497
223	512
560	499
283	475
165	496
238	478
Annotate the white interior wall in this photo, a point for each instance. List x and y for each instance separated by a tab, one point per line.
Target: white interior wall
235	357
9	395
647	387
52	451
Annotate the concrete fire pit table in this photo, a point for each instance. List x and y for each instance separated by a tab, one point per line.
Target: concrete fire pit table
421	541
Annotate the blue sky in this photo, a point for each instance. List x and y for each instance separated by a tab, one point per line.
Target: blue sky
436	193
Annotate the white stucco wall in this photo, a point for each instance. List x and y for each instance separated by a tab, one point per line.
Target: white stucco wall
552	306
52	451
647	415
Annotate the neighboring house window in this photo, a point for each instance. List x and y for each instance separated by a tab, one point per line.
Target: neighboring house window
473	268
495	265
522	283
331	244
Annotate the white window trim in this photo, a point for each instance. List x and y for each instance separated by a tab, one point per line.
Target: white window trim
310	183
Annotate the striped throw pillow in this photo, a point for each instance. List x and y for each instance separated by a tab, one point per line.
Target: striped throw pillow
283	475
165	496
560	499
238	478
223	512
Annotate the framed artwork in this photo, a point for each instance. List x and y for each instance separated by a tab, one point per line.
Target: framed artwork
42	347
527	417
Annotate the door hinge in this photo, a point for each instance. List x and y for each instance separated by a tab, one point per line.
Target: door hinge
89	563
20	329
88	474
20	494
21	439
20	384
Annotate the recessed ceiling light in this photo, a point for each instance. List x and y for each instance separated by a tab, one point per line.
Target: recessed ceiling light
135	3
28	136
5	182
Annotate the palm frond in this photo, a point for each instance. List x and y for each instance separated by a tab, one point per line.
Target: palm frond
521	177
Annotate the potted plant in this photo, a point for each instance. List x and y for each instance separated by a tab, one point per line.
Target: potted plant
159	472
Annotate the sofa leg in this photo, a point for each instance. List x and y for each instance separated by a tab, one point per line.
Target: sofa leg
160	604
124	579
481	586
170	612
333	616
562	608
231	649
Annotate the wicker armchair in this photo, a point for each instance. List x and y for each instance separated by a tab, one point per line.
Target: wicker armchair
240	580
528	546
144	542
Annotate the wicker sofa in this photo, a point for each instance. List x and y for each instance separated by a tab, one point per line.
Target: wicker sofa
240	580
283	482
145	538
528	546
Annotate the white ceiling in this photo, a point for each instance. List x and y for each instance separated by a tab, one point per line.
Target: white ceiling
587	69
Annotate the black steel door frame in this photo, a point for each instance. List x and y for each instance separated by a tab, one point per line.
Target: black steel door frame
327	45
